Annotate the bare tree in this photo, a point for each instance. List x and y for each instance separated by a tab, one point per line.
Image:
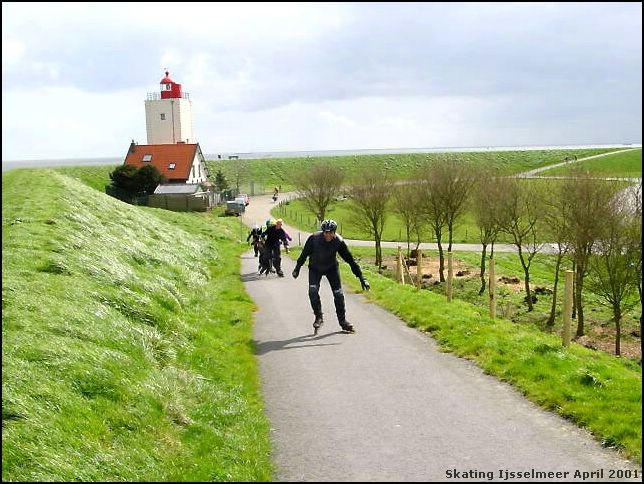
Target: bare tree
519	217
557	228
637	236
430	205
456	178
585	201
318	186
241	172
405	204
613	264
370	194
485	206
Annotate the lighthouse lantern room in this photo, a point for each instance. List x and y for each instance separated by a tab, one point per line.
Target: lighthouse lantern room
168	114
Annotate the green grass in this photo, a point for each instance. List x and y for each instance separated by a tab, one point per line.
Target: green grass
126	341
597	391
269	172
626	165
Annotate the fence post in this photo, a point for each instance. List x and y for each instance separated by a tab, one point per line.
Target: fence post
567	316
450	275
419	269
399	270
492	289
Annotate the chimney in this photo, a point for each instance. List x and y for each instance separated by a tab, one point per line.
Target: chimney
132	145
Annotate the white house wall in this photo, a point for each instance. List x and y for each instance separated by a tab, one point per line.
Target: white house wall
197	171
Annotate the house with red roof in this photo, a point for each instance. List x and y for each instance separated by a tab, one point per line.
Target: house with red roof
179	163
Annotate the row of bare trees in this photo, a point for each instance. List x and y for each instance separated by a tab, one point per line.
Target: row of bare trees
594	229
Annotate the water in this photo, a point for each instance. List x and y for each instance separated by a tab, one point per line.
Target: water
8	165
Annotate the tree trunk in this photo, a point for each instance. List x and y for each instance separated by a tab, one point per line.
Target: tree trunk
580	310
482	273
553	308
526	279
617	316
441	257
378	252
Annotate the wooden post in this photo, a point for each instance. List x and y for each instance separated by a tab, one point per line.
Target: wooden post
419	268
450	276
399	276
567	316
492	288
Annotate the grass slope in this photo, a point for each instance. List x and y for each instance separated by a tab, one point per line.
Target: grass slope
269	172
126	341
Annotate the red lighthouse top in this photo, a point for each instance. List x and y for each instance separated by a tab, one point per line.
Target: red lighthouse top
169	88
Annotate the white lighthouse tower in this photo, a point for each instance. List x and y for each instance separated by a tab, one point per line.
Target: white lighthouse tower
168	115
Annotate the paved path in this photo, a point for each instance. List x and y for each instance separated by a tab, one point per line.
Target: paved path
385	405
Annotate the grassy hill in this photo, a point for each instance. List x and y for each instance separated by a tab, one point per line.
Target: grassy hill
627	164
126	341
269	172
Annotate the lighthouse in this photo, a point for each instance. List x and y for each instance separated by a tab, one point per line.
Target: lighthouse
168	114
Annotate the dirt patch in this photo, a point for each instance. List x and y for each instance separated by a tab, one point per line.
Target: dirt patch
600	336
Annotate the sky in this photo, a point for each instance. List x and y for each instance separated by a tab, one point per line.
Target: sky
321	76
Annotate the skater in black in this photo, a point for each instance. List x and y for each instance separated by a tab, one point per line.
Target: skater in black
322	248
255	233
273	235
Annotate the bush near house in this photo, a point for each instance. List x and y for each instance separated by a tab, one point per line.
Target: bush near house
129	182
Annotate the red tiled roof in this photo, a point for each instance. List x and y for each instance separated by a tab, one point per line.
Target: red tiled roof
182	155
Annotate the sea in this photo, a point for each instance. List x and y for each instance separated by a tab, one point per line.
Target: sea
10	164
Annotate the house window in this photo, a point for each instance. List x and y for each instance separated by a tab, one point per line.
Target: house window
147	157
172	166
162	116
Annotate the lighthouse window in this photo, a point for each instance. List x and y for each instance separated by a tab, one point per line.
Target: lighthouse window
172	166
162	116
147	157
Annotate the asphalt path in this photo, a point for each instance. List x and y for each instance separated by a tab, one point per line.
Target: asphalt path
384	404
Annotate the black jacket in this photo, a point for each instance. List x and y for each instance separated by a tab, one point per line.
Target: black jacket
272	235
323	254
254	233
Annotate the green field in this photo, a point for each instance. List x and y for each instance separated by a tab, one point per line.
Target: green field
623	165
270	172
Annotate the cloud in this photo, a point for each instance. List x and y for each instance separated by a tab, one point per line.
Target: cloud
510	72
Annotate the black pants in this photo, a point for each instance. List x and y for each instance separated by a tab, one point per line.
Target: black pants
333	277
276	257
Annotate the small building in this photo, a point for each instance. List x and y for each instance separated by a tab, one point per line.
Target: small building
179	163
186	185
183	197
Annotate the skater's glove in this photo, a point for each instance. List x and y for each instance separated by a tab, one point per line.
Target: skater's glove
296	272
365	284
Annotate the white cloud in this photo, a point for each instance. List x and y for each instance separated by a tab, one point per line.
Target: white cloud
314	76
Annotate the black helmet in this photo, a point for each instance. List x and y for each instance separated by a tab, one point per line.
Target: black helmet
329	226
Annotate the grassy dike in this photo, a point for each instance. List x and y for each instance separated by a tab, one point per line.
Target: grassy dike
595	390
126	341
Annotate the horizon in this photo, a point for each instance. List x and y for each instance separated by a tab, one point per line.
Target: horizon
357	150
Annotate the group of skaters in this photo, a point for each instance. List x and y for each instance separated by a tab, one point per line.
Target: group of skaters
321	248
266	243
